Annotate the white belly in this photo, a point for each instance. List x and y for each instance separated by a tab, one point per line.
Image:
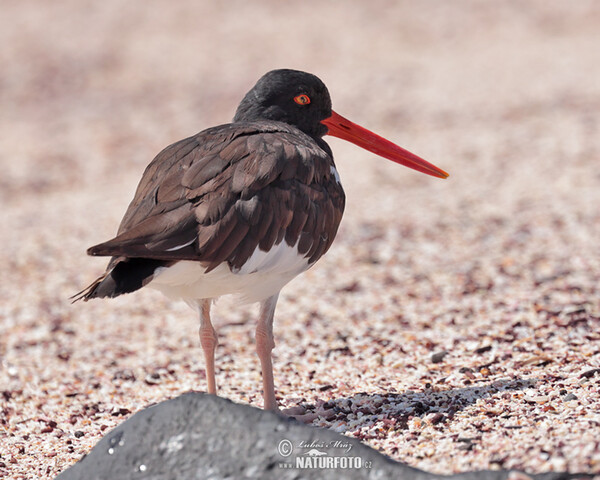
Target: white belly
263	275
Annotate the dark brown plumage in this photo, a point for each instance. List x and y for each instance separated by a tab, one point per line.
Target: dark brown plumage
227	191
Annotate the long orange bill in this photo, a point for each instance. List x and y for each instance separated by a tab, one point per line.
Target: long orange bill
345	129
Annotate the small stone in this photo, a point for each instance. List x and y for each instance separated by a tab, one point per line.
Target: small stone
590	373
435	418
118	411
438	357
152	378
483	349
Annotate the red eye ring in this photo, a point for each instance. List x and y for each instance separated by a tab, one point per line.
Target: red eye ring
302	99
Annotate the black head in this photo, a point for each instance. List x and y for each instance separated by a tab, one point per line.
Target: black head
290	96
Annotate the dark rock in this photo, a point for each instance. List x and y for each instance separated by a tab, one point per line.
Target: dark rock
485	348
438	357
590	373
199	436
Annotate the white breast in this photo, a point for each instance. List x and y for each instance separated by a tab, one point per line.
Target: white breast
263	275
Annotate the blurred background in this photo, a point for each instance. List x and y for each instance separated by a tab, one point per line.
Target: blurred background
503	95
91	91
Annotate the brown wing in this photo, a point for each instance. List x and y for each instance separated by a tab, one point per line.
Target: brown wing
219	195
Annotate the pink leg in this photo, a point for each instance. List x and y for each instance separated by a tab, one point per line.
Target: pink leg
209	341
264	346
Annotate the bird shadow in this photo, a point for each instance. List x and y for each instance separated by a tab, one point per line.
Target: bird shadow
395	410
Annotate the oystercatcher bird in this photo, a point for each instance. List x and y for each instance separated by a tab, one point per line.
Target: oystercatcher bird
240	209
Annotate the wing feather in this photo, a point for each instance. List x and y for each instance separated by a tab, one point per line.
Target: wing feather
221	194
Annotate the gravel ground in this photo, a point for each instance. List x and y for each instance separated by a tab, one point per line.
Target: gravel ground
454	325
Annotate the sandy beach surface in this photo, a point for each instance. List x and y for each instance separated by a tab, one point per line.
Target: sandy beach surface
454	325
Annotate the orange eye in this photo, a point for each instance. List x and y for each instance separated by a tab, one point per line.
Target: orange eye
302	99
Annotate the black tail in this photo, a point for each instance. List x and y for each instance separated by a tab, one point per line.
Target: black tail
126	276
